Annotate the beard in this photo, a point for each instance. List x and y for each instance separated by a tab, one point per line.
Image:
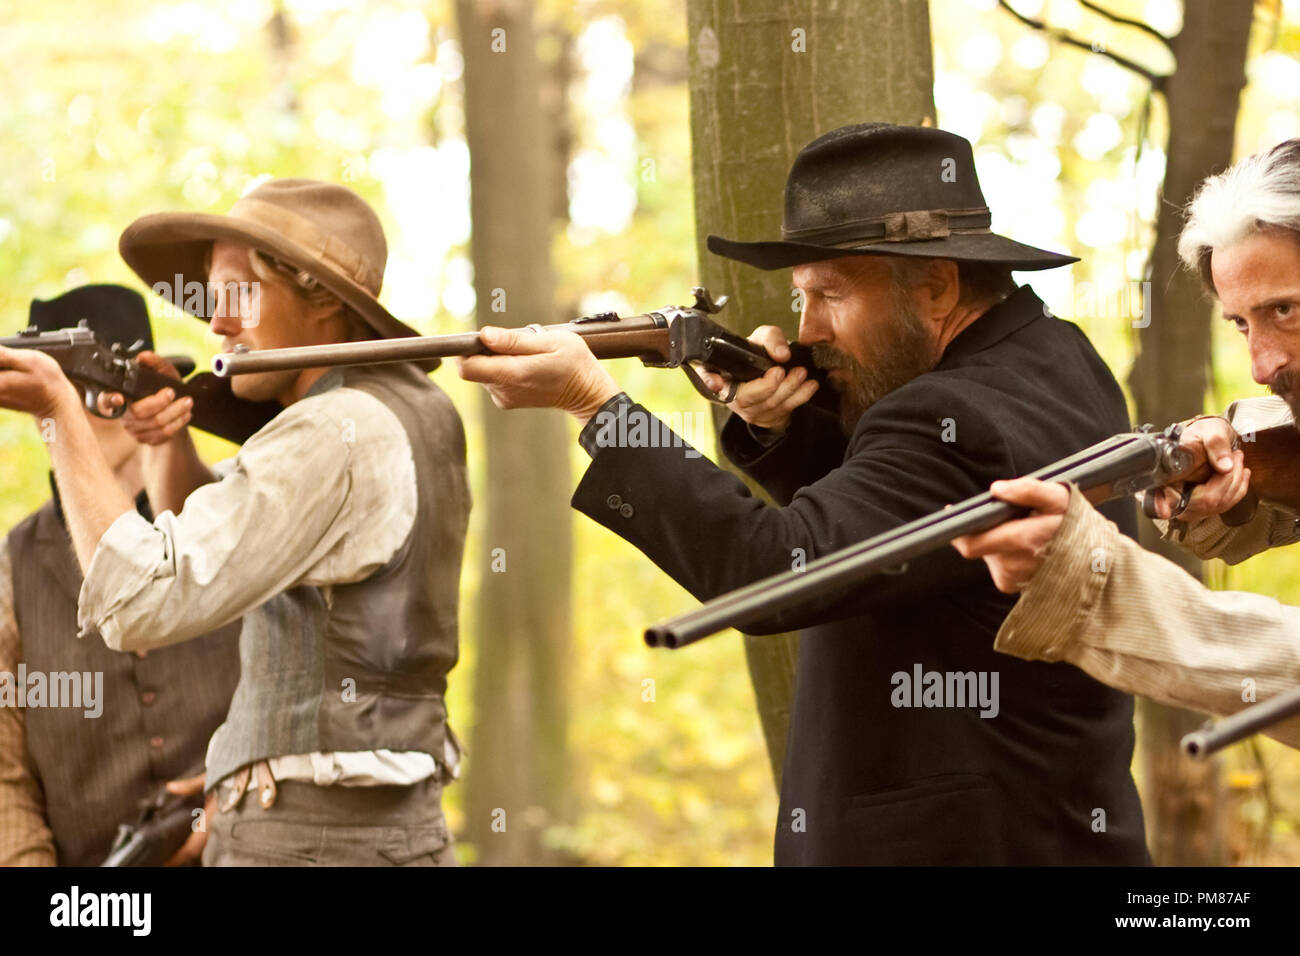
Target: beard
1286	386
900	350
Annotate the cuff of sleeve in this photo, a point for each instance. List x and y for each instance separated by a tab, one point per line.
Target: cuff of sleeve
131	553
1056	605
763	437
601	431
746	446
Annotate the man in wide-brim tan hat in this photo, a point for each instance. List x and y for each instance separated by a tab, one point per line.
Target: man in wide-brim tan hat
336	532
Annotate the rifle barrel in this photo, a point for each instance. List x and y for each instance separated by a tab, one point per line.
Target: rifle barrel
1201	743
613	336
1109	466
373	352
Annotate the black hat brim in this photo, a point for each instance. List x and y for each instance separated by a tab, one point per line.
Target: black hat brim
984	247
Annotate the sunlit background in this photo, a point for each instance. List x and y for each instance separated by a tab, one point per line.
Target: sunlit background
114	109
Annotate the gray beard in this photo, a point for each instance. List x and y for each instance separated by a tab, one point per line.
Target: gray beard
901	353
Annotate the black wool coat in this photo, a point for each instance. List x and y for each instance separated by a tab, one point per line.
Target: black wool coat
876	771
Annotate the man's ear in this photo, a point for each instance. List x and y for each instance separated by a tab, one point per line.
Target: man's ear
941	289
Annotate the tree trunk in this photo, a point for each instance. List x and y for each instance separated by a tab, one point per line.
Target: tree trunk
517	772
766	77
1169	379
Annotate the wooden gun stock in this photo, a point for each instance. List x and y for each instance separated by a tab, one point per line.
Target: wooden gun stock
1271	454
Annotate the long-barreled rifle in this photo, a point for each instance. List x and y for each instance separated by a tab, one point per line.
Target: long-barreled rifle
675	336
96	368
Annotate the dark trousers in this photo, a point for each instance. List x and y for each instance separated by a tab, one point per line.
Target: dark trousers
311	825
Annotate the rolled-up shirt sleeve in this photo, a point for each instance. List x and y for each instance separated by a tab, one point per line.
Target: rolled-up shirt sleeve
1140	623
331	470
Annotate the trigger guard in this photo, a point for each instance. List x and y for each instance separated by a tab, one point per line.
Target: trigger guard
91	399
704	389
1184	498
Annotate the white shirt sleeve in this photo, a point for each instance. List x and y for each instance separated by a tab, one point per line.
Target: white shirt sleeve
325	494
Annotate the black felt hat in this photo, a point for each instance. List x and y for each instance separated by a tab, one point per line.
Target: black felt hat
879	189
114	313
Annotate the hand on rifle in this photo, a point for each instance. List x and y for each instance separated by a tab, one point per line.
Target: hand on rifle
767	402
33	382
1014	550
1215	439
535	369
155	419
191	851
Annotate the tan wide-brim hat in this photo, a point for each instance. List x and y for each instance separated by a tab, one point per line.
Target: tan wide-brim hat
325	230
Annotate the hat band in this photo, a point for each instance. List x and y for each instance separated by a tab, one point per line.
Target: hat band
330	250
914	226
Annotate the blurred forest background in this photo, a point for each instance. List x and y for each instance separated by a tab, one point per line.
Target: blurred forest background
118	109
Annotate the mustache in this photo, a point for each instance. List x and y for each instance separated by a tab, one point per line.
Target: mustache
828	357
1286	382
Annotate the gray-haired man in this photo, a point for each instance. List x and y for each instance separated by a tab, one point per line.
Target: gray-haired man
1137	621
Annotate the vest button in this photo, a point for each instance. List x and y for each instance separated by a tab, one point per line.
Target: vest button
148	697
156	742
627	510
141	653
613	501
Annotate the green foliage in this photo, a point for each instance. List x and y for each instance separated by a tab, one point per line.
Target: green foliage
119	109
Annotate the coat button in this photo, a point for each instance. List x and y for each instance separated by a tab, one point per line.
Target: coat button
156	742
148	697
613	501
627	511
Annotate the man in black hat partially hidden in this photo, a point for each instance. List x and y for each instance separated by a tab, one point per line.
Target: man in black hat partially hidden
69	775
911	741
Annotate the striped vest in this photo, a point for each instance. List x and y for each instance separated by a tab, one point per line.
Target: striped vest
158	710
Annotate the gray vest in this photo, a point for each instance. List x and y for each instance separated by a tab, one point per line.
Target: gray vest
363	666
158	711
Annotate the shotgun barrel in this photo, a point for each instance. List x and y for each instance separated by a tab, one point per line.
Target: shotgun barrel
1118	466
1202	743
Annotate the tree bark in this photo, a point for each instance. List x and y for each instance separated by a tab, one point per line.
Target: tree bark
1169	381
766	77
518	770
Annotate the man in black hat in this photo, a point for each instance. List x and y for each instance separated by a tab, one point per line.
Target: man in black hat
911	741
70	774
